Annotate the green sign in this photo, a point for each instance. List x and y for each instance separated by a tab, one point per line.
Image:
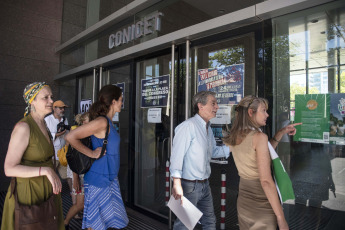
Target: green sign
313	110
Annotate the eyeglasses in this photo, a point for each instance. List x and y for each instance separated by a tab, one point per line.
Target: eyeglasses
61	108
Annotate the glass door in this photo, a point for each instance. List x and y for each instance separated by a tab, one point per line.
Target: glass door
85	92
152	132
120	76
227	68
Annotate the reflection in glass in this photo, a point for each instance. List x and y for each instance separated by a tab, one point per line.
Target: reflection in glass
309	57
152	141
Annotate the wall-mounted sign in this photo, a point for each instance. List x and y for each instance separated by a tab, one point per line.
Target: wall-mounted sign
226	82
223	116
85	105
146	26
116	117
155	91
313	111
122	87
154	115
337	119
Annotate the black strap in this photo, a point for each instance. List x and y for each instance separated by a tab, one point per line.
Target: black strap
105	141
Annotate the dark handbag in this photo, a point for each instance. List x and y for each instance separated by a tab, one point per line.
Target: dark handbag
79	162
34	217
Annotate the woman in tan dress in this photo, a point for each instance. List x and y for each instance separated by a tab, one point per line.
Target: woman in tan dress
29	157
258	204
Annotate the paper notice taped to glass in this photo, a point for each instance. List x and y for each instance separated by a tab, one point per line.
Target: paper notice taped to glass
187	212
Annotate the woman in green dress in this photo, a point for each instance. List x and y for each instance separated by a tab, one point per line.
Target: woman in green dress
29	157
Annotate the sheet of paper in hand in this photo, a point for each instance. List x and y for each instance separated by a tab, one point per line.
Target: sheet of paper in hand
187	213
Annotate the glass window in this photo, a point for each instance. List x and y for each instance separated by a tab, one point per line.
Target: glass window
152	135
223	54
85	89
309	60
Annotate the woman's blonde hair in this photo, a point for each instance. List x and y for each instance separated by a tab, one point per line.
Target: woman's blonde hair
79	118
243	124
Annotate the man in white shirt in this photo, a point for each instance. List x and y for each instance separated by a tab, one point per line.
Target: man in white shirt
193	147
57	118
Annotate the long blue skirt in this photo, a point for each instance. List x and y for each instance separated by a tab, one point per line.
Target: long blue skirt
104	208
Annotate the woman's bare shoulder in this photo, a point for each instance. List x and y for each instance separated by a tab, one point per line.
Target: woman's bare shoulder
21	128
259	138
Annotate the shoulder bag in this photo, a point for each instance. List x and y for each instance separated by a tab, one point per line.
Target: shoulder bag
78	161
281	178
34	217
62	155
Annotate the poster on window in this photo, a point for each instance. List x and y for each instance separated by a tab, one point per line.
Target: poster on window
122	87
313	111
337	119
226	82
85	105
218	135
223	116
155	92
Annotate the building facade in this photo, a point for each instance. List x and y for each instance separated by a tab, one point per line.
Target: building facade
162	52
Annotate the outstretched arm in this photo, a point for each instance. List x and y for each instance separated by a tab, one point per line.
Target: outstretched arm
289	129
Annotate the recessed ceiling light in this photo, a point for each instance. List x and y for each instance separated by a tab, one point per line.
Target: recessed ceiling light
221	11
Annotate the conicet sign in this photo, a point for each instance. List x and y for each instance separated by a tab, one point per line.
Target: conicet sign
141	28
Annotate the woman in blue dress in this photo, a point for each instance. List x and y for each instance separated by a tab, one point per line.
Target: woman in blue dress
103	205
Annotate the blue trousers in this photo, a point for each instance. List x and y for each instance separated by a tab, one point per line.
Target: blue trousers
200	195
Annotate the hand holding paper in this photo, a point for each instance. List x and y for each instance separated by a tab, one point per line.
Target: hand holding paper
187	213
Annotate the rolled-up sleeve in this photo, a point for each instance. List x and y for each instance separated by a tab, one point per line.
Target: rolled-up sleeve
181	144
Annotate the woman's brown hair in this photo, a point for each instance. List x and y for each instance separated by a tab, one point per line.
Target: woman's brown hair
243	124
106	96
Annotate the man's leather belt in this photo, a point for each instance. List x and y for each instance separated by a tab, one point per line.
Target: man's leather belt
198	181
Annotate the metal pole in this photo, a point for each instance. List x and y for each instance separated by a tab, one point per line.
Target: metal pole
187	80
223	200
172	89
94	85
100	77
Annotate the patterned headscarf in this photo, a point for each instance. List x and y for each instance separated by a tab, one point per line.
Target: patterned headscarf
30	93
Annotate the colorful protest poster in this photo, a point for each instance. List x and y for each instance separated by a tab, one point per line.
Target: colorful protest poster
155	92
226	82
337	119
313	111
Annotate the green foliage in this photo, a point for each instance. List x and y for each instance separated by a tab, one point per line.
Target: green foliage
226	57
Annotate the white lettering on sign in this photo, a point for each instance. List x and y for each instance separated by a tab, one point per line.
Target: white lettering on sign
145	27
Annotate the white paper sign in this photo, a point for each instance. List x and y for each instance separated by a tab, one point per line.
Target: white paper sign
154	115
116	117
85	105
188	214
223	116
